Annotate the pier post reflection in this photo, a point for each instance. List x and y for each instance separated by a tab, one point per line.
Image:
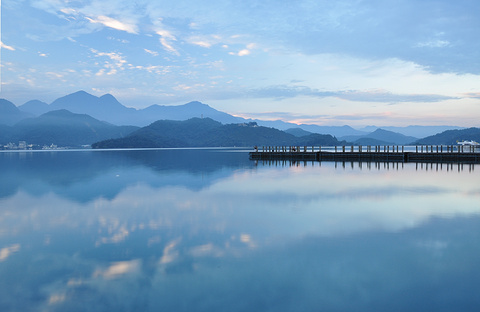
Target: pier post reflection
372	165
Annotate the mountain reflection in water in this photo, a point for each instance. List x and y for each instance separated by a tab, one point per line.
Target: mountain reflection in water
210	230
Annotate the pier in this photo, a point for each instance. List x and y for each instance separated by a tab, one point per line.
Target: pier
396	153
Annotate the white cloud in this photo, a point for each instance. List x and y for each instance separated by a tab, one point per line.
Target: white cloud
205	41
117	57
118	62
433	44
154	53
154	69
54	75
203	44
7	47
167	45
69	11
247	51
166	37
165	34
243	52
115	24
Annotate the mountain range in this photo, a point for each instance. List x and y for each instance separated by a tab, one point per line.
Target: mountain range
380	137
110	117
108	108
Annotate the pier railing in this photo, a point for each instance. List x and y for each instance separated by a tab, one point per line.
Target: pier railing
372	148
392	153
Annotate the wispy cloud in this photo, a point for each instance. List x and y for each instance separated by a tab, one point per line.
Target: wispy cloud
388	97
114	23
154	53
472	95
155	69
285	91
204	41
433	44
166	39
7	47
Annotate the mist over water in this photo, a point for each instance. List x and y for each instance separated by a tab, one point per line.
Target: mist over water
210	230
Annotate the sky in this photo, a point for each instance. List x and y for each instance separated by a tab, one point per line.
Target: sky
345	62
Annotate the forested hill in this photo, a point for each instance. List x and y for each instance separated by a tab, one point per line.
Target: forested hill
452	136
205	132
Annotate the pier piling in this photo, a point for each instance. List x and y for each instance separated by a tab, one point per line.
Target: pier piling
419	153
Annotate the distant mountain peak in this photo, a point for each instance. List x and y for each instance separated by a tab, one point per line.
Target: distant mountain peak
10	114
196	103
34	102
76	96
80	92
7	106
108	96
63	113
109	99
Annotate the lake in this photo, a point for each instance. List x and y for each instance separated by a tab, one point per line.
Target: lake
211	230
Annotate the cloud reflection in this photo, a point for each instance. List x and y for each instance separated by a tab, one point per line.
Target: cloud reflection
8	251
265	238
117	269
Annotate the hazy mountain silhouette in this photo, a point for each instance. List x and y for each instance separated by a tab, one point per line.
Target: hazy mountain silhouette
65	128
380	137
183	112
337	131
10	114
5	134
415	131
298	132
35	107
107	108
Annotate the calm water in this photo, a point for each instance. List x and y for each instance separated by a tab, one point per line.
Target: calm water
210	230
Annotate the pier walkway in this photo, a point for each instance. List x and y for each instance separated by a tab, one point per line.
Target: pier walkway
420	153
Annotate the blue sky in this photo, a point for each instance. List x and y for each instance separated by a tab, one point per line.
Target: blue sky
377	62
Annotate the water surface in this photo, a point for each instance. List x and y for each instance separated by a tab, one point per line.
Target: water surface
210	230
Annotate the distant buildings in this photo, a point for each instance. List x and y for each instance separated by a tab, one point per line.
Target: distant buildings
51	147
22	145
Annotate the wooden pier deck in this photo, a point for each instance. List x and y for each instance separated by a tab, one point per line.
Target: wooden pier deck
418	154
